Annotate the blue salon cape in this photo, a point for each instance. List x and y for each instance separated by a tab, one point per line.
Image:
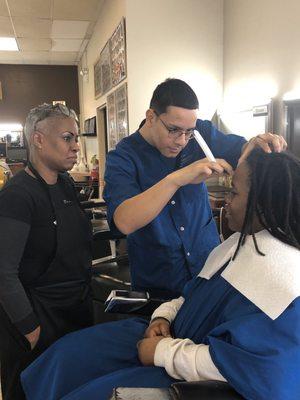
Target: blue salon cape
173	248
258	356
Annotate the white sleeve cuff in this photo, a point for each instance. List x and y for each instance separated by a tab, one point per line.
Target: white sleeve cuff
183	359
168	310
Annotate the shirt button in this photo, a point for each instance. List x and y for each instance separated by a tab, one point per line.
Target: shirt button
188	253
173	202
182	228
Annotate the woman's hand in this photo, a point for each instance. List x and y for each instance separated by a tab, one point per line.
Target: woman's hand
267	141
159	327
199	171
33	337
146	349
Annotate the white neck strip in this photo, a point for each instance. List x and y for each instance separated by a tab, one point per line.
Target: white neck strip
271	282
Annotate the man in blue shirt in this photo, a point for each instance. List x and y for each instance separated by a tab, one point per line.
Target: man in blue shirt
155	189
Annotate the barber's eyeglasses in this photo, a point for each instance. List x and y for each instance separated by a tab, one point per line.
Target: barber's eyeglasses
176	133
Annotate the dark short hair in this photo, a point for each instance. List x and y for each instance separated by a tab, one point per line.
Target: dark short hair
173	92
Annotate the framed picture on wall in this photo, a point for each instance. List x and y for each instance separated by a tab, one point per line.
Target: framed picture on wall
112	138
121	111
97	79
118	53
105	69
86	126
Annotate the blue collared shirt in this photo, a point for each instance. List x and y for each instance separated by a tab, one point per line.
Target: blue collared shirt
172	248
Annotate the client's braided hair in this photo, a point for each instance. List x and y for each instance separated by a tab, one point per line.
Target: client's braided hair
274	196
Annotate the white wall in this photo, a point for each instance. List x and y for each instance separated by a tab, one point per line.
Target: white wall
261	53
169	38
110	16
174	38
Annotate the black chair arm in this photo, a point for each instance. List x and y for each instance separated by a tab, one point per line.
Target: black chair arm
107	235
92	203
136	306
204	390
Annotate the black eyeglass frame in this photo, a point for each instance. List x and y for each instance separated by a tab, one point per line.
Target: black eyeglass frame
175	133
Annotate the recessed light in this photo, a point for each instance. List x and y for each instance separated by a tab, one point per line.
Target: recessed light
8	44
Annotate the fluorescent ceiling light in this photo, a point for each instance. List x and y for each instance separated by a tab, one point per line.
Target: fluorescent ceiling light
8	44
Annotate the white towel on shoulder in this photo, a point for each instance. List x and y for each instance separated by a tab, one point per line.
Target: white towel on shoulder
271	282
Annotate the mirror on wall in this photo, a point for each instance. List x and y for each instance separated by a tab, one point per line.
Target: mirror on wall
292	125
12	135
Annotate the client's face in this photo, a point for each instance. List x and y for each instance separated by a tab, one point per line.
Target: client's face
237	199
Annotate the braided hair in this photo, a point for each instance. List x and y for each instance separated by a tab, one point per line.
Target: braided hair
274	197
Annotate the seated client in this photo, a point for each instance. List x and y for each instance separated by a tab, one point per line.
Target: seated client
238	321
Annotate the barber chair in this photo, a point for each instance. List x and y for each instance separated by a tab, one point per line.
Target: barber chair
205	390
110	271
110	266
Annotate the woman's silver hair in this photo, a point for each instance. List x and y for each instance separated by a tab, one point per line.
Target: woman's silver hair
44	111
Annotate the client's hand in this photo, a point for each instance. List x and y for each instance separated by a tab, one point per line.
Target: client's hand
146	349
159	327
33	337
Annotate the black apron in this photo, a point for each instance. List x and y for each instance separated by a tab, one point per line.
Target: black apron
60	296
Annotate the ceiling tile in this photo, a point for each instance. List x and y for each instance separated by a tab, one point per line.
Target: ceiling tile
32	27
69	29
66	44
12	62
36	57
63	58
7	56
3	9
76	9
30	8
71	56
6	29
36	61
34	44
63	62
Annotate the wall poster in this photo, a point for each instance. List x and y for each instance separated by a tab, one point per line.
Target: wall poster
105	69
121	111
117	116
97	79
111	122
118	54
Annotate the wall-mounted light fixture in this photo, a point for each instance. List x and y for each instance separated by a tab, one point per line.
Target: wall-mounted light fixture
84	72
